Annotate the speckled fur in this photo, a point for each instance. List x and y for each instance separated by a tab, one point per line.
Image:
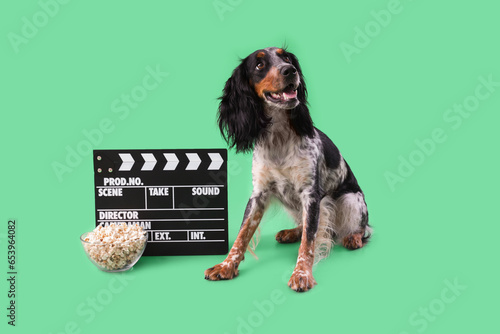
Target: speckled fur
293	162
285	165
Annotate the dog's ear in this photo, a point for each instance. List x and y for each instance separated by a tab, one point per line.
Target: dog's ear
300	119
241	114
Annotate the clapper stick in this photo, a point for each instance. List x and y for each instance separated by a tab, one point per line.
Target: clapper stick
178	196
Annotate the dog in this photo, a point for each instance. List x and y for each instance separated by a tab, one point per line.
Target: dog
264	108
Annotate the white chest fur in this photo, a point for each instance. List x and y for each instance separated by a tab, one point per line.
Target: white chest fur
284	163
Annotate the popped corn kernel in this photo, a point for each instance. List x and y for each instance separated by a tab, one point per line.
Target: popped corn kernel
115	246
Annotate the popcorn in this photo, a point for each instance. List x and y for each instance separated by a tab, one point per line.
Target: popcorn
116	246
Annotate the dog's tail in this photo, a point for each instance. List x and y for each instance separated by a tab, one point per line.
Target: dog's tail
324	242
335	225
326	233
368	234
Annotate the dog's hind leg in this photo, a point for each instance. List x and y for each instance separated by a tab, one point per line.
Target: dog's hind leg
351	223
355	240
292	235
289	236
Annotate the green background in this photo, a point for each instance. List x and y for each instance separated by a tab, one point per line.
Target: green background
436	227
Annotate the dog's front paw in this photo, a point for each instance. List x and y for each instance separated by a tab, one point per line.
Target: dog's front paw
301	280
222	271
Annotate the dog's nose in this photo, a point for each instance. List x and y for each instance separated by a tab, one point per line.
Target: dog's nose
288	70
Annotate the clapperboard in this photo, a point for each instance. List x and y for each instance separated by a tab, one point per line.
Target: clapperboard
178	196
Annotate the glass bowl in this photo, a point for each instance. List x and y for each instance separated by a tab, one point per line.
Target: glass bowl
114	257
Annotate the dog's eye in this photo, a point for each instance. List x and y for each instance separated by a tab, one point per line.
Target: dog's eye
260	66
286	59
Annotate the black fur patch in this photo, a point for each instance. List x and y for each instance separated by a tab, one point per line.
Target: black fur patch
241	115
312	217
350	184
330	151
247	211
300	119
313	209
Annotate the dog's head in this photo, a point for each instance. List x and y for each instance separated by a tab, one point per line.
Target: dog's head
274	77
267	80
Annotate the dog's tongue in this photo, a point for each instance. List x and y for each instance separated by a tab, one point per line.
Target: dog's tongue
285	95
291	94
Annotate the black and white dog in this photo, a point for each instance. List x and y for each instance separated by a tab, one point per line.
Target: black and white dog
264	108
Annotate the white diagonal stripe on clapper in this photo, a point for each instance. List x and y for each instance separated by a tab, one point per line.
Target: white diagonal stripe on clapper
149	161
172	161
127	162
217	161
194	161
